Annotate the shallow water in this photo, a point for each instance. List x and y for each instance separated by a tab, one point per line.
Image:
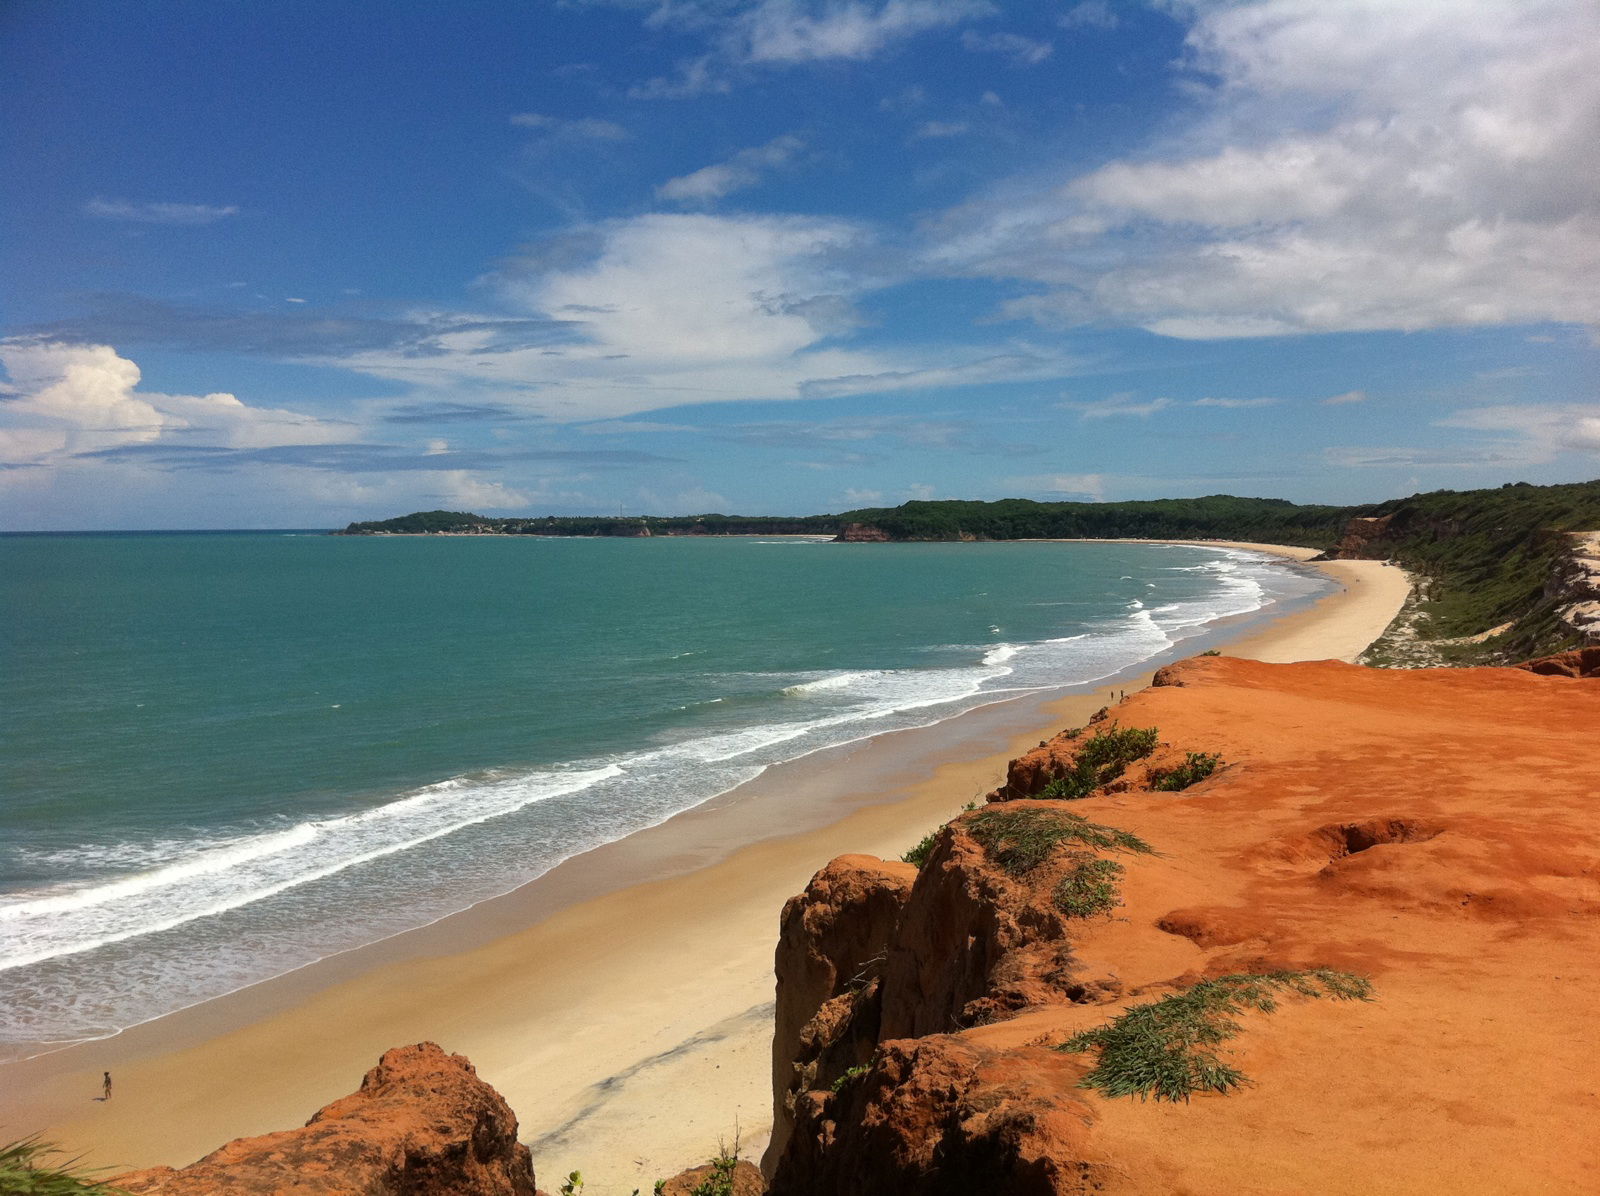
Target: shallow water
228	755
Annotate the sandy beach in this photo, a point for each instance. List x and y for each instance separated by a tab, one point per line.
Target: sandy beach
621	1002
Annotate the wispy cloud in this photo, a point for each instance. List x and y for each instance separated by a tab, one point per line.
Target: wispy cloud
1117	405
582	128
745	169
1537	431
1234	404
1091	14
451	413
159	213
358	457
1000	367
1127	403
1349	396
1083	486
930	130
781	33
784	31
296	333
1021	51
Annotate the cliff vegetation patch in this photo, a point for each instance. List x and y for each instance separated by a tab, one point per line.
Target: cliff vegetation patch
918	855
1020	840
1103	758
1196	767
1166	1049
1089	887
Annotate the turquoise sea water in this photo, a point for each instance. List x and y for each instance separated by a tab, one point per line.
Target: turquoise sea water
225	756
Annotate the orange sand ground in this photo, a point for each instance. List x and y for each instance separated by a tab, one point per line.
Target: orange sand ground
1475	1069
622	1004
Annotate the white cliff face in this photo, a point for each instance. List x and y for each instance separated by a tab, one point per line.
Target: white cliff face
1576	584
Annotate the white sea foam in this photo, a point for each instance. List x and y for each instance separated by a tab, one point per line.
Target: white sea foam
823	684
260	866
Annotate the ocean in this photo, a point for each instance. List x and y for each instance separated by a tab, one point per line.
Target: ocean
226	756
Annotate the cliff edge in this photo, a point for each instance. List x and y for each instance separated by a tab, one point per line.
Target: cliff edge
1346	920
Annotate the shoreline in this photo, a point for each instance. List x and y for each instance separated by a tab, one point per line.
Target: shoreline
621	1002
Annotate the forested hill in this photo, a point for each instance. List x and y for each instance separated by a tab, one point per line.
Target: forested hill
1214	517
464	523
1221	516
1433	531
1487	557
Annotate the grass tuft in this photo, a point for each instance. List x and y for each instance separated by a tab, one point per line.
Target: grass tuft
1089	887
26	1170
1165	1050
1103	758
1196	767
1020	840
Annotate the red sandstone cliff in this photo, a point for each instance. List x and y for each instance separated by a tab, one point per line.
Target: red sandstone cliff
1435	831
421	1124
862	533
1359	535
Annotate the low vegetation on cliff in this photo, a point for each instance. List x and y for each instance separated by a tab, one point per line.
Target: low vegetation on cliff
1196	767
1165	1049
1021	840
1103	758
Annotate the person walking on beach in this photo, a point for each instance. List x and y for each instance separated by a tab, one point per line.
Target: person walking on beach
105	1085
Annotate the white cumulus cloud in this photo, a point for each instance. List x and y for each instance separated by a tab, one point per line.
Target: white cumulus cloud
67	399
1372	164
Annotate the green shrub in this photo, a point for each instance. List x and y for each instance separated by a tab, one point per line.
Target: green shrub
1212	652
1020	840
1103	758
918	855
25	1170
1196	767
1089	887
720	1181
1165	1049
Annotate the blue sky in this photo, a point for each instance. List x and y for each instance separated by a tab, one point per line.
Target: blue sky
292	264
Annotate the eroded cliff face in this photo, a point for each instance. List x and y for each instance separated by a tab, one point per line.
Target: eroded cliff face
421	1124
1435	831
832	944
862	533
1360	535
1575	585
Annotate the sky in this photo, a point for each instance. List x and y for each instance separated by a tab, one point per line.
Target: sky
292	264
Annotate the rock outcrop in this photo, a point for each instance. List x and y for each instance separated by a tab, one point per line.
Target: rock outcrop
421	1124
833	941
1574	585
862	533
1432	830
744	1179
1360	534
1580	662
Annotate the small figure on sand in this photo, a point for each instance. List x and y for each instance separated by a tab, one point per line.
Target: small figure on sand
105	1086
